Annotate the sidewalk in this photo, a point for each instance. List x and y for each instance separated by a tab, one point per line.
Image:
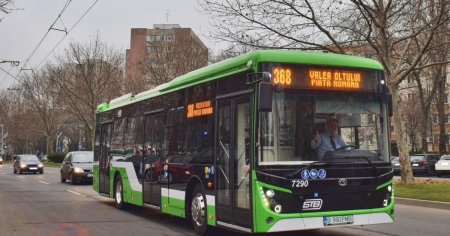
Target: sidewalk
422	203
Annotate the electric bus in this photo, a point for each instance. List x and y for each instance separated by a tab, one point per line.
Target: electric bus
229	145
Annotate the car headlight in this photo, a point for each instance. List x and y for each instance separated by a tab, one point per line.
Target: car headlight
23	165
40	165
78	170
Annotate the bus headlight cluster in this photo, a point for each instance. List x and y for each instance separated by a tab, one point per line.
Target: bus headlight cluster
268	197
387	196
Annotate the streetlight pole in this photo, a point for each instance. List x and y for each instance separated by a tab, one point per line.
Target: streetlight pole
57	141
3	143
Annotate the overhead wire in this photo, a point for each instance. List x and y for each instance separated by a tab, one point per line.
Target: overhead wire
45	35
7	73
76	23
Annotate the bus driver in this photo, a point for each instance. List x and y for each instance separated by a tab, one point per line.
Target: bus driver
329	140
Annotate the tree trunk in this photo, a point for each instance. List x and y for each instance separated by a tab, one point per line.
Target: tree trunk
424	131
441	115
405	165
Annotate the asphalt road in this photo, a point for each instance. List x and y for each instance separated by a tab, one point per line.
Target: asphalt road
33	204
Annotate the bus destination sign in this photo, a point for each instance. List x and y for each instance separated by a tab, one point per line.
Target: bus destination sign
304	77
199	109
334	79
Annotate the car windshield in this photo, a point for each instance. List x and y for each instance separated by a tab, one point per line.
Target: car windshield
83	158
446	158
416	158
286	133
29	158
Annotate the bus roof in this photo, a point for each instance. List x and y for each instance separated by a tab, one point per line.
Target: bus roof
240	64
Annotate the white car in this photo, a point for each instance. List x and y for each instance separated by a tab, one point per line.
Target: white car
442	167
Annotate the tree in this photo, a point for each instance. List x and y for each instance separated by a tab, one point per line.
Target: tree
42	94
396	33
6	7
86	76
411	119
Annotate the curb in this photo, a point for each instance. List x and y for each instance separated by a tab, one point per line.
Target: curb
423	203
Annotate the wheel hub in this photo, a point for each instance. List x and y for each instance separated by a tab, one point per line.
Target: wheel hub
118	193
198	209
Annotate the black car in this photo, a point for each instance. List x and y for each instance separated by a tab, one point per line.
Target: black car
424	163
27	163
77	167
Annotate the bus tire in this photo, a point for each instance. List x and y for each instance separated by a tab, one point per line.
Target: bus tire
118	193
198	211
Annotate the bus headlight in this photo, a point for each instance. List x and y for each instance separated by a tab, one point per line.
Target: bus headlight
278	208
385	202
270	193
389	188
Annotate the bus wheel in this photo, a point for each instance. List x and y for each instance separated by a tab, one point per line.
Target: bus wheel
118	193
198	211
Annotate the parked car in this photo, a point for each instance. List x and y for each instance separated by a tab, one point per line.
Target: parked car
77	167
424	163
27	163
442	167
395	161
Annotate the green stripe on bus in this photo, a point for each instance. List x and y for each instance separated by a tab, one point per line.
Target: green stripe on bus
129	196
385	184
95	184
172	206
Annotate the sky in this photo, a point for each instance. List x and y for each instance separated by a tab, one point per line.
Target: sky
21	30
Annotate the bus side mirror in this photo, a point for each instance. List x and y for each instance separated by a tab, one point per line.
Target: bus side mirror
389	104
265	93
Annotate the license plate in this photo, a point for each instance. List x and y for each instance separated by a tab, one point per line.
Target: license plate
337	220
89	175
415	164
33	168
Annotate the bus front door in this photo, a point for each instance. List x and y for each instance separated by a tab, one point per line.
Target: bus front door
232	162
105	148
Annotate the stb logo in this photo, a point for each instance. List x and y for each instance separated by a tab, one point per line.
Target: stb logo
342	182
312	204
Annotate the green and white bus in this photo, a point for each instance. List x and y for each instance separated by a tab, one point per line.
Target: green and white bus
229	145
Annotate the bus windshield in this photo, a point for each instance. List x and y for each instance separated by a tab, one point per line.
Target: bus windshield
299	119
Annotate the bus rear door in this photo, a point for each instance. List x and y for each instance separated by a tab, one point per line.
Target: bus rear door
105	149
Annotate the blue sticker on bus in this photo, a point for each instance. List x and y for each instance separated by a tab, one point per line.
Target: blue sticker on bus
322	174
211	170
305	174
313	174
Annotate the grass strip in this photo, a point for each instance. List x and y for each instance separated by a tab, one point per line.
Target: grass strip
424	190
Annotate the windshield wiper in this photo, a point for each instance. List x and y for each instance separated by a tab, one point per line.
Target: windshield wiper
374	168
315	163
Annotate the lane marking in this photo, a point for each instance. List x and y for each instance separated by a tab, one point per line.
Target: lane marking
70	191
43	182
